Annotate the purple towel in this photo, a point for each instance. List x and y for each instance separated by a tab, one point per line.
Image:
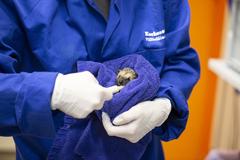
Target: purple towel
87	139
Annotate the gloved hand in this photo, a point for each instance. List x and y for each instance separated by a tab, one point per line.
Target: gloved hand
135	123
78	94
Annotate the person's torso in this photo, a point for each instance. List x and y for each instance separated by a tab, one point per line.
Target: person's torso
59	33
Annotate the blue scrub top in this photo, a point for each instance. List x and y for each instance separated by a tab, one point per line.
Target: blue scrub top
39	39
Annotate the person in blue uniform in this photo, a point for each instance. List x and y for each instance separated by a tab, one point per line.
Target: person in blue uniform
40	43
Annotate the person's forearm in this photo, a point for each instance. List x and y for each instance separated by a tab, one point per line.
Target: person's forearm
25	104
181	69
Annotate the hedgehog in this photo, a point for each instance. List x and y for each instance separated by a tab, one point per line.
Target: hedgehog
125	75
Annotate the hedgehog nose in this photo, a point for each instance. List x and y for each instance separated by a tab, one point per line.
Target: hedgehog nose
120	82
125	81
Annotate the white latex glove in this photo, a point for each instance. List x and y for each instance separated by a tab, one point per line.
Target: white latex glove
135	123
78	94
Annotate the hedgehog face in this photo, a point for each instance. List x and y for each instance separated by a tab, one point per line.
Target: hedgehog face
125	75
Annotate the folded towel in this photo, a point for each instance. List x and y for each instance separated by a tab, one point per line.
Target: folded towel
86	139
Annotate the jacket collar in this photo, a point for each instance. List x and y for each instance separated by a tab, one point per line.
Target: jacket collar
114	19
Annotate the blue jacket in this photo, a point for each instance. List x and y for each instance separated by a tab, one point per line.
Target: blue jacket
39	39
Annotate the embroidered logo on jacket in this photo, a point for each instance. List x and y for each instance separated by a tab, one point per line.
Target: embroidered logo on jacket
155	36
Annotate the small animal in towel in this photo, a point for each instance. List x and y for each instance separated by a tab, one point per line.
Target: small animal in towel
125	75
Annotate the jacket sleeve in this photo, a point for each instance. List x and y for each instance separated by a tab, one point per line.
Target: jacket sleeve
181	68
24	97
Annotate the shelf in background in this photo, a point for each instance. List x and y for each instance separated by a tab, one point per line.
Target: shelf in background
223	71
6	145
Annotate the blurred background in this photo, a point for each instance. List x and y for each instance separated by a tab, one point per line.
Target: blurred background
214	121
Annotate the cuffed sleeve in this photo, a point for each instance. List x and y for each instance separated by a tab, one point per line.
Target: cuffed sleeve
180	71
25	104
33	111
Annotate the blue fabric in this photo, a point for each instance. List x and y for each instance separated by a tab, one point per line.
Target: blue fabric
83	141
39	39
